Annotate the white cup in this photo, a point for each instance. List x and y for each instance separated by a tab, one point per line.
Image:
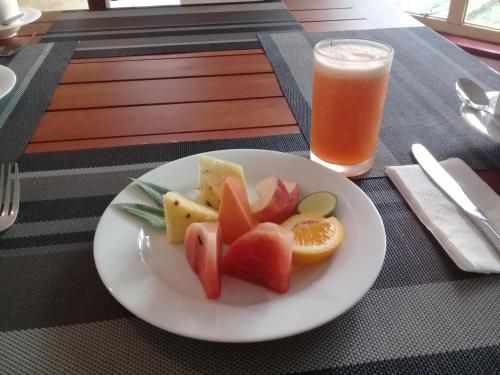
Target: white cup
8	9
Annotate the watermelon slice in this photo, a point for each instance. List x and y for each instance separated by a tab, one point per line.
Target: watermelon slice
262	256
235	215
203	250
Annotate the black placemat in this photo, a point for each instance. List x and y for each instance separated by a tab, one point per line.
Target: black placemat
57	316
170	29
38	69
421	104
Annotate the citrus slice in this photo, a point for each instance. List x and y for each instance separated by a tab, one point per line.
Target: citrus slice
315	238
320	202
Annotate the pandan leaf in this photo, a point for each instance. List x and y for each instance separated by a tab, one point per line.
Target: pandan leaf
155	216
156	192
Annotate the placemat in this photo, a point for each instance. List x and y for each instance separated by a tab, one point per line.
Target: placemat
57	316
38	68
170	29
421	104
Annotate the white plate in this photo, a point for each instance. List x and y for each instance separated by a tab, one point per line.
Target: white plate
7	80
483	122
152	279
29	15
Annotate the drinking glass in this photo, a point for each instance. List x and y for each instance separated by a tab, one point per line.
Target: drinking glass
350	78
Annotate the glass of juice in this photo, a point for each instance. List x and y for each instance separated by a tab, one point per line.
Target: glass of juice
350	78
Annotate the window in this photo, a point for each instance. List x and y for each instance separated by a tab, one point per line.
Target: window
477	19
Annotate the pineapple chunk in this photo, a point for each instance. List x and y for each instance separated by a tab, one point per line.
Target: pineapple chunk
213	173
180	212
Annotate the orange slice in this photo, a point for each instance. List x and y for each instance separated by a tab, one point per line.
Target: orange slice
315	238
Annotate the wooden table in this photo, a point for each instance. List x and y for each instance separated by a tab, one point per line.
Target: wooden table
59	316
191	96
162	98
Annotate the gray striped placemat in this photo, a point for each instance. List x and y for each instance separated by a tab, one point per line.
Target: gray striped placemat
421	104
142	31
38	68
57	317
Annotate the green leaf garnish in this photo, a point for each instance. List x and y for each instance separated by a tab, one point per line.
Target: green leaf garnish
155	216
154	191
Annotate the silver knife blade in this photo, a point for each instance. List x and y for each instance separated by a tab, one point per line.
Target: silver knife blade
448	184
442	178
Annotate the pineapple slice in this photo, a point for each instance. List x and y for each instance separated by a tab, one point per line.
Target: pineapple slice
180	212
213	173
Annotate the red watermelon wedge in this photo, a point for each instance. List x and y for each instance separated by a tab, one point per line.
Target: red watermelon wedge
262	256
203	244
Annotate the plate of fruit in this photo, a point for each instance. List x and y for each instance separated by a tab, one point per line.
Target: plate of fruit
239	246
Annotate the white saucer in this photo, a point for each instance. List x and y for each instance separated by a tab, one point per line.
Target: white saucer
7	80
483	122
29	15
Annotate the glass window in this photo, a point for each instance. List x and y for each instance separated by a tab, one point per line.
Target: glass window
483	13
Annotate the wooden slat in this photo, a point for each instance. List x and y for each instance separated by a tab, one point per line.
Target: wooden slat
163	119
18	40
257	51
163	91
364	24
49	16
328	15
335	25
39	28
162	138
317	4
319	15
167	68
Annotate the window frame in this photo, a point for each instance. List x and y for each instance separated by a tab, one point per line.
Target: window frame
455	23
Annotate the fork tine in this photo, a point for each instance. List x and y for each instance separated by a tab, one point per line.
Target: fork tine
6	201
2	183
17	190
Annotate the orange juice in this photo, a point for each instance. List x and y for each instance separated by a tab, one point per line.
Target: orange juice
350	80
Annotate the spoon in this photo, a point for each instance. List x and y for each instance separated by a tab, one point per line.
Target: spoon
473	95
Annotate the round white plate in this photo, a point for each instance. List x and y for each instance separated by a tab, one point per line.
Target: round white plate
483	122
153	280
7	80
29	15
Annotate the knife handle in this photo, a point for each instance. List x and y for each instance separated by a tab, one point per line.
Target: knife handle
489	230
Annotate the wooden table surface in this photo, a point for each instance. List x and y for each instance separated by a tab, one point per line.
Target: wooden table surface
176	97
130	100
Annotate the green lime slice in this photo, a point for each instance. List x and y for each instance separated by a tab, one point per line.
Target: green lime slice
320	202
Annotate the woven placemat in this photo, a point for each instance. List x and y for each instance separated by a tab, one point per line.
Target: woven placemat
57	316
170	29
38	69
421	104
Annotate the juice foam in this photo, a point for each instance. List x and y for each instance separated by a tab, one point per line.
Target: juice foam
352	59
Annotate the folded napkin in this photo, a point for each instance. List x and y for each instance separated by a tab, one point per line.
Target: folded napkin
465	244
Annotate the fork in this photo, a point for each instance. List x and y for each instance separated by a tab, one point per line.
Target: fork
9	195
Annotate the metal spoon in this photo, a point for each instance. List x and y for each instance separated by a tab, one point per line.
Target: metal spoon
473	95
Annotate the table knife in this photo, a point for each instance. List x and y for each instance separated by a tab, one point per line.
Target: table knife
451	188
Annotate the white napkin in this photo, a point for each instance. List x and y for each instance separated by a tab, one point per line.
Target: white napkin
464	243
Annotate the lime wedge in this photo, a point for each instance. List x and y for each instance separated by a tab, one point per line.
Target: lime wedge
320	202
